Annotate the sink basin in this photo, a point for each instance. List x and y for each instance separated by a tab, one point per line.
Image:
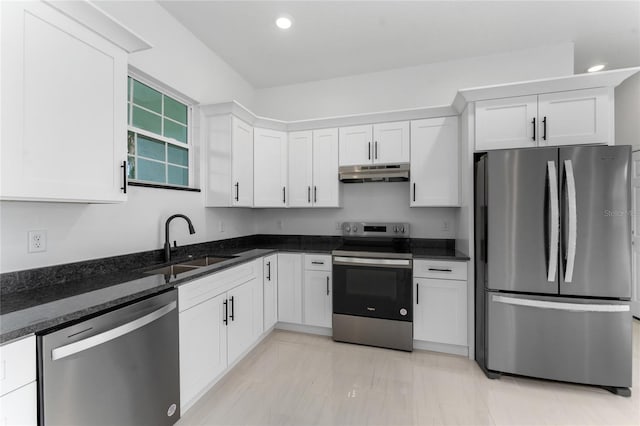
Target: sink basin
206	261
172	270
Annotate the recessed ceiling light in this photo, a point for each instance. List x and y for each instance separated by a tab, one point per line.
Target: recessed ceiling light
283	22
596	68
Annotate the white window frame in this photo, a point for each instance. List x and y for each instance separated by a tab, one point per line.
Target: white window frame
189	146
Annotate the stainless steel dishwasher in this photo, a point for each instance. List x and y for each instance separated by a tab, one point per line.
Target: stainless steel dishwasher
120	368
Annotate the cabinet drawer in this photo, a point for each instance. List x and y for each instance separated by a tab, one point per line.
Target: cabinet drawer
317	262
210	286
17	364
441	269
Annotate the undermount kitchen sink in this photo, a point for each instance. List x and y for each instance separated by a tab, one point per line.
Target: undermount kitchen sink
188	266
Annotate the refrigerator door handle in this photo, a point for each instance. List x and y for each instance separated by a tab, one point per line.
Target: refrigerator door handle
573	221
563	306
555	221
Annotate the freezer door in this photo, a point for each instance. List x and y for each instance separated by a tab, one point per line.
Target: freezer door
522	220
576	340
596	222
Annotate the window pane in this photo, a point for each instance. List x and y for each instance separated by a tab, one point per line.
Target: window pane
178	155
175	131
131	167
147	97
176	110
131	143
146	120
178	176
151	171
150	148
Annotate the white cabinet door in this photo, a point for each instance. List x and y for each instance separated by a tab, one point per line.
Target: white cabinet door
290	288
244	318
440	311
506	123
326	186
300	169
391	143
20	407
575	117
317	298
270	277
434	162
270	168
356	145
64	109
203	347
242	163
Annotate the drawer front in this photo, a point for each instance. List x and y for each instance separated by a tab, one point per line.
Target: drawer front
198	291
440	269
317	262
17	364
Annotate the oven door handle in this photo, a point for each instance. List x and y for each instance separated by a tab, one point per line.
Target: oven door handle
376	263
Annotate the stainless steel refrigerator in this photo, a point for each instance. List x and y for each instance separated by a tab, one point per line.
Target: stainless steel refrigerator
553	264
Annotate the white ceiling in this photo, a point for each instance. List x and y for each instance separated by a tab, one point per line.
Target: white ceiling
332	39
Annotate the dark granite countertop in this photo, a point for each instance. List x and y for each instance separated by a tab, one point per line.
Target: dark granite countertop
40	299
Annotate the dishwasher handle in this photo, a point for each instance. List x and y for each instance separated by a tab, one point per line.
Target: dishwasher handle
98	339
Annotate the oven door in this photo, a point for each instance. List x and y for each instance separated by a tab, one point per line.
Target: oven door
375	288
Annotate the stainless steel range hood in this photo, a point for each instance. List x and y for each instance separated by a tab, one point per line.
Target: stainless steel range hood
374	173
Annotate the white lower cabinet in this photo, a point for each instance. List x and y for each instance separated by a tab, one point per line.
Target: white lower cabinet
221	316
440	306
18	400
270	290
318	290
290	288
19	407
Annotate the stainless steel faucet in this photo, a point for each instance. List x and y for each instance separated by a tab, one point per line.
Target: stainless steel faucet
167	245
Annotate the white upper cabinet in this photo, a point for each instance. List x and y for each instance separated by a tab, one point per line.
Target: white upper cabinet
391	143
383	143
575	117
434	162
326	186
300	169
313	168
229	160
506	123
64	109
241	163
356	145
563	118
270	168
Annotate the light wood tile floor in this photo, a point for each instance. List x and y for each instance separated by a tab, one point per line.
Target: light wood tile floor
299	379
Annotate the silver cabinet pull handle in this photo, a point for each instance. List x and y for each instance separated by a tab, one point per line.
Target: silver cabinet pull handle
555	221
573	221
114	333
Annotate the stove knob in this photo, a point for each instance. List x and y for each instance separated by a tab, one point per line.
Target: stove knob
347	228
355	228
403	312
401	229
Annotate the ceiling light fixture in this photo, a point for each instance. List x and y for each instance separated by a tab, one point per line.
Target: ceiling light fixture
283	22
596	68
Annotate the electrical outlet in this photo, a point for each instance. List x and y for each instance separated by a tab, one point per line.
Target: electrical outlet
37	241
221	226
338	226
445	226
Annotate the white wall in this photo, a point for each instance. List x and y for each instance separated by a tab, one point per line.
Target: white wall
375	201
627	98
79	231
420	86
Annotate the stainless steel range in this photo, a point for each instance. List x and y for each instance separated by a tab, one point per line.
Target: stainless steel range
372	291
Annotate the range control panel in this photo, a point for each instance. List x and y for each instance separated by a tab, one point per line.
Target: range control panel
375	229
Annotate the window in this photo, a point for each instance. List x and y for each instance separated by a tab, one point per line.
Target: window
158	140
